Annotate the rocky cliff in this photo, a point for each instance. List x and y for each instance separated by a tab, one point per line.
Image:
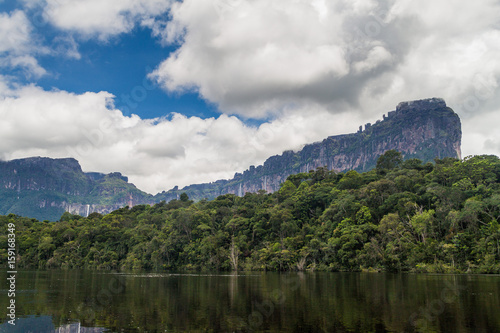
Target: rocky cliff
423	129
45	188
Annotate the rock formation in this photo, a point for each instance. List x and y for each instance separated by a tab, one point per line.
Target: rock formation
423	129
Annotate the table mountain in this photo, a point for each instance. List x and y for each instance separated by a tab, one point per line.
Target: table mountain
423	129
44	188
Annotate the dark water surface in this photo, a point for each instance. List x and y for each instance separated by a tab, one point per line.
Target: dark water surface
88	301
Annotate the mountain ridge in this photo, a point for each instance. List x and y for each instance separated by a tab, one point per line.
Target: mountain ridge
45	188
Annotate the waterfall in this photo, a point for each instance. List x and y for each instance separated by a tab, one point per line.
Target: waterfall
88	211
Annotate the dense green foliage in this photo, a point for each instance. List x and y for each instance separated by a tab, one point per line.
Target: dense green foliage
402	216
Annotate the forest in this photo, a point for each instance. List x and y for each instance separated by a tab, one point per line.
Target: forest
402	216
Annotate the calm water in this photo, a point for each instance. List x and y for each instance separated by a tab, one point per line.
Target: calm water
83	301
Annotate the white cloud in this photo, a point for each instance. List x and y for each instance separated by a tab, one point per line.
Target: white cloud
29	63
156	154
375	58
99	18
252	57
17	47
14	32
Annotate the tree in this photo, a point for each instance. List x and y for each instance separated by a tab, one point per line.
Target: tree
390	160
233	255
184	197
351	180
422	224
287	189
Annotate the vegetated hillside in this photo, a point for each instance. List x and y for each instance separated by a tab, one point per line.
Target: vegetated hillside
401	216
423	129
45	188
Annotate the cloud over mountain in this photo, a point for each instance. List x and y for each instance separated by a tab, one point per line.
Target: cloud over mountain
156	154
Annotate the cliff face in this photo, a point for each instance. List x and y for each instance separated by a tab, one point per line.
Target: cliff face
423	129
37	173
45	188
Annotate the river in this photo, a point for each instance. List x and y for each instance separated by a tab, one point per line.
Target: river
91	301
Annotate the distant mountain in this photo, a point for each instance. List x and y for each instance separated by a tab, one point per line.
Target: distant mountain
423	129
45	188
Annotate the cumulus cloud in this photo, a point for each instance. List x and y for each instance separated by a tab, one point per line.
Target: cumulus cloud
156	154
103	19
17	46
256	58
14	32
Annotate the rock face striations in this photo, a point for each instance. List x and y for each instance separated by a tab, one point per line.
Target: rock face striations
44	188
423	129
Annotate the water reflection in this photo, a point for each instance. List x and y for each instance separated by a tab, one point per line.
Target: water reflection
83	301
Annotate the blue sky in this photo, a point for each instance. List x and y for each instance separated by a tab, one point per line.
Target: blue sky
120	66
180	92
117	65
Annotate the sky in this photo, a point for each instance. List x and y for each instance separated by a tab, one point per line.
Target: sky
172	93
